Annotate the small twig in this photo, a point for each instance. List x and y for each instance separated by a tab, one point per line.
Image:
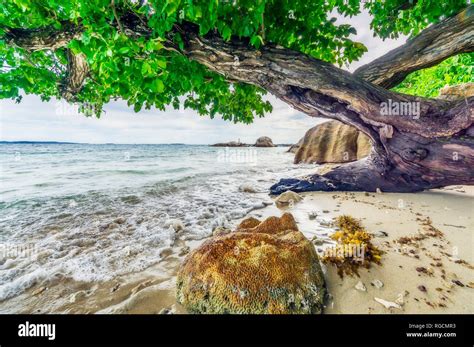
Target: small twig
172	49
112	4
136	14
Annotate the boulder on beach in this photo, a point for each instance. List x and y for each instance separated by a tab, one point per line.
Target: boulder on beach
264	141
288	197
332	142
263	268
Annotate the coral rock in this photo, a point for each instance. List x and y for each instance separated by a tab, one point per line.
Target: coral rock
265	268
271	225
250	222
220	230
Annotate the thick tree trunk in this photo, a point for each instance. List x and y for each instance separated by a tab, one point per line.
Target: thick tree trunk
430	147
401	160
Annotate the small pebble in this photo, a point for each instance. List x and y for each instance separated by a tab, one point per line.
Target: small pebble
115	287
422	288
360	286
458	282
166	311
39	291
380	233
120	220
377	283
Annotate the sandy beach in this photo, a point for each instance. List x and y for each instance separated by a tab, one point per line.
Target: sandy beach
428	274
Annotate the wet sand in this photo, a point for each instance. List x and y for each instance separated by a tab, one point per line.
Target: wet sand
426	268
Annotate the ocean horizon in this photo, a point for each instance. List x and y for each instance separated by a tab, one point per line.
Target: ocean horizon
115	143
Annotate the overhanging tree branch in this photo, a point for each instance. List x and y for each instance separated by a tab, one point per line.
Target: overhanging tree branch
436	43
282	72
43	38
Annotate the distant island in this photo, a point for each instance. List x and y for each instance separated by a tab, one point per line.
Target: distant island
39	142
263	141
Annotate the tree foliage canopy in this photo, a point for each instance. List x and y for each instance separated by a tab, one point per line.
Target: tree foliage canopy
145	72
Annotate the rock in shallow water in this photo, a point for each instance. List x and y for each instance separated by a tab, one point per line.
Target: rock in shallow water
247	188
269	267
264	141
175	224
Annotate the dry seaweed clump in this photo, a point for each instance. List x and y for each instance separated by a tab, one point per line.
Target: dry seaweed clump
254	270
354	248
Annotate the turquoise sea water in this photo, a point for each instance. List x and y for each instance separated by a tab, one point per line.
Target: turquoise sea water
91	212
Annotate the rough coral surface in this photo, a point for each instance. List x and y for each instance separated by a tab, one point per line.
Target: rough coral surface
271	225
266	268
248	223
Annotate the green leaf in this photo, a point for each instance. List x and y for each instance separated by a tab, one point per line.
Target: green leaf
157	86
124	50
161	63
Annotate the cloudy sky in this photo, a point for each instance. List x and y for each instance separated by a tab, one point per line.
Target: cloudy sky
35	120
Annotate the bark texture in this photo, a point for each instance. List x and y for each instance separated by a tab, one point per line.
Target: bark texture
450	37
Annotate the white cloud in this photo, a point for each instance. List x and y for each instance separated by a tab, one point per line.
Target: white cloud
375	45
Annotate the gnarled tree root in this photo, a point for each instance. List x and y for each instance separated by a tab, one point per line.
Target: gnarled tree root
362	175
